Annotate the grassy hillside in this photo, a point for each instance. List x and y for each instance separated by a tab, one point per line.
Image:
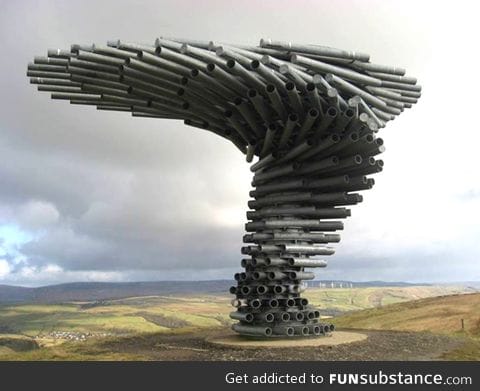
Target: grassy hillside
442	315
339	300
438	314
77	330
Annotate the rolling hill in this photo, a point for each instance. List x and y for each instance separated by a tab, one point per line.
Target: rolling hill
89	291
456	315
442	314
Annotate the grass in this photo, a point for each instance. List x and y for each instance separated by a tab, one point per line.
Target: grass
441	315
39	324
355	299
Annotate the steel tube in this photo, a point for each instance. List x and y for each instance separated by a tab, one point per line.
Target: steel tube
342	72
314	49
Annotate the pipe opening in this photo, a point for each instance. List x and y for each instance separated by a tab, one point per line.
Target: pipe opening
290	86
313	113
310	87
290	331
335	138
252	93
270	88
299	316
230	63
194	72
273	303
285	317
255	64
262	289
255	303
268	331
210	67
292	117
305	330
269	317
332	112
350	113
249	318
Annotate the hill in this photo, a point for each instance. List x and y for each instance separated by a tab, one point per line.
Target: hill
97	291
457	315
176	326
436	314
89	291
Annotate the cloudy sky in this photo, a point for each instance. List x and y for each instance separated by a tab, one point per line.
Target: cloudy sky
99	196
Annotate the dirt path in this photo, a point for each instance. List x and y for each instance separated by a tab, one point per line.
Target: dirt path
380	345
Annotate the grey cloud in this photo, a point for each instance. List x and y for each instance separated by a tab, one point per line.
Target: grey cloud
154	199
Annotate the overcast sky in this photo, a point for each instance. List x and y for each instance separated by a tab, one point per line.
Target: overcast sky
99	196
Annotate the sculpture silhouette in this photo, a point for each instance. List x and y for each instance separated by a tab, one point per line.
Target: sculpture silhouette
310	113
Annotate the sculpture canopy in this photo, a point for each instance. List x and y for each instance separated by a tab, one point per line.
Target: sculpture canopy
266	99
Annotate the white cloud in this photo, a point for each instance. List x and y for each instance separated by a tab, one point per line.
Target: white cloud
4	268
37	215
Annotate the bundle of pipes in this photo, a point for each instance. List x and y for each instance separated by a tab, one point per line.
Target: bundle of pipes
310	113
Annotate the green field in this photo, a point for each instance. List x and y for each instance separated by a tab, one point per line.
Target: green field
76	330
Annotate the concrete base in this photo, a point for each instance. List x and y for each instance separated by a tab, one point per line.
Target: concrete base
239	341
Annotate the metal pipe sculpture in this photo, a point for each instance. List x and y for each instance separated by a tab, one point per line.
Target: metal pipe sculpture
310	113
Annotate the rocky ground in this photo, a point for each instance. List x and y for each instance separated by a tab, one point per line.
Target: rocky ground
380	345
